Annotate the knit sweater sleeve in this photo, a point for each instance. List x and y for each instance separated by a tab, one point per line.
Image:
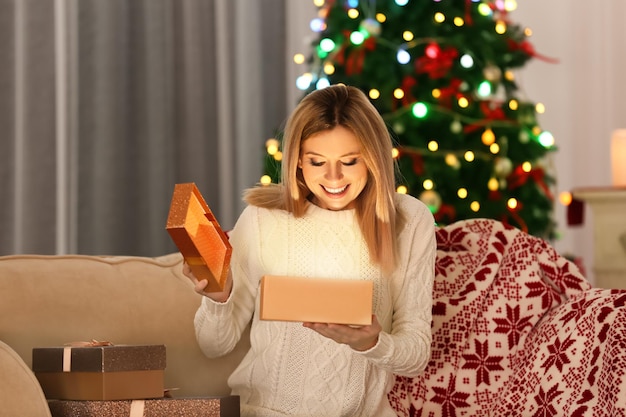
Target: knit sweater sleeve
219	326
405	350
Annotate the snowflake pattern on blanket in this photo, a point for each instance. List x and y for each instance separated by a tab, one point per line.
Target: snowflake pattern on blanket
517	331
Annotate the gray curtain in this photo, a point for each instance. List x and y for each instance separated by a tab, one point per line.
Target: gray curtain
106	104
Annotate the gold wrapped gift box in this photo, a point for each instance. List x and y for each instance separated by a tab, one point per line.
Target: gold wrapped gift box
100	372
198	236
164	407
317	300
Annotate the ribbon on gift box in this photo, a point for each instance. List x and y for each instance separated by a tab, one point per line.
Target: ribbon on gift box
136	408
67	351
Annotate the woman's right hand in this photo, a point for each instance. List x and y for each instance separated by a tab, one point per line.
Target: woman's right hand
200	285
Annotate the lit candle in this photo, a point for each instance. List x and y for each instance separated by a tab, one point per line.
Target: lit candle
618	157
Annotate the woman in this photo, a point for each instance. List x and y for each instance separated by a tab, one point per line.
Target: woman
335	214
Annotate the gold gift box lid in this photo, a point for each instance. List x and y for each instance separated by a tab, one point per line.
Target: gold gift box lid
198	236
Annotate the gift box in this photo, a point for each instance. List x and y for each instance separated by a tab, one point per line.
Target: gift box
104	372
199	237
163	407
317	300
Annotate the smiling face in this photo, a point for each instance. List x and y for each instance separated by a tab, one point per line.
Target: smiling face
333	168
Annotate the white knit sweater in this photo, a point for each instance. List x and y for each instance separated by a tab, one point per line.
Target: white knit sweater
293	371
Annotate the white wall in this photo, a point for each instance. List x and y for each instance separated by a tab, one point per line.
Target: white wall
584	95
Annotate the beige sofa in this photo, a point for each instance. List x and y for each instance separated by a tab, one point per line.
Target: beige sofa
53	300
517	329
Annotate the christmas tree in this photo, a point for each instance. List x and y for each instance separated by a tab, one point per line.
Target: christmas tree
441	73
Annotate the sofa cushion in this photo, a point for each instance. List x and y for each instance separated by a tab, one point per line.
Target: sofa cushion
20	393
54	300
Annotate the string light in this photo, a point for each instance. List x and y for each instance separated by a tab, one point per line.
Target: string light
458	21
462	193
566	198
374	94
475	206
513	104
428	184
546	139
433	146
488	137
398	93
329	69
540	108
402	189
266	180
511	203
353	13
469	156
420	110
395	153
439	17
407	35
500	27
299	59
403	56
493	184
494	148
381	17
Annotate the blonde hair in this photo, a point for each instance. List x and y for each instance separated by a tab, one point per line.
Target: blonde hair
322	110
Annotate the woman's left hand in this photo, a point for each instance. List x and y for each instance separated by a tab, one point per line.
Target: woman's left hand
359	338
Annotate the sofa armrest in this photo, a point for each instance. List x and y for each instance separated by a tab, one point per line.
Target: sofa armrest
20	393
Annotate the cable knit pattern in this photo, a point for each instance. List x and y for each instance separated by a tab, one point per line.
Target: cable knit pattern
292	370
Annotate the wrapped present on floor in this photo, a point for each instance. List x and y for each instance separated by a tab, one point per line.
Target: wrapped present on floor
199	237
100	371
164	407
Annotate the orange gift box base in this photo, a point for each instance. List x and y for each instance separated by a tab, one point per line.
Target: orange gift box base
316	300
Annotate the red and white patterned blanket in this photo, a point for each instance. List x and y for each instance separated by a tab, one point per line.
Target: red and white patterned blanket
517	331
